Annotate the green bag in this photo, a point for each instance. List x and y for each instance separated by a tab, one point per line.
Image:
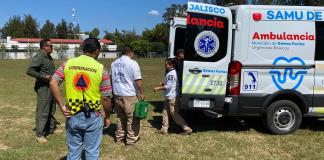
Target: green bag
141	109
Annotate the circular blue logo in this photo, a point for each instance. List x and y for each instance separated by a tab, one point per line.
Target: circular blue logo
206	44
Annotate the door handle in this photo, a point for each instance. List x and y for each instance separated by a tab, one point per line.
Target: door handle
195	71
207	89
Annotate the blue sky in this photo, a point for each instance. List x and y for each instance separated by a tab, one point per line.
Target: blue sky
104	14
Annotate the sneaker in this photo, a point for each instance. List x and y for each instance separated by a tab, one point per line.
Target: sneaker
41	139
186	132
162	131
132	144
119	140
58	131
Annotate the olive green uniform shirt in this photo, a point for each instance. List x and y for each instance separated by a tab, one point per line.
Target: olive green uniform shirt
41	66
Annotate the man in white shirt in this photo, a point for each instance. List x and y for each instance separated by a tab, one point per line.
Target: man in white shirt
171	104
126	80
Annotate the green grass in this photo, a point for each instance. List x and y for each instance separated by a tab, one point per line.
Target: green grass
213	139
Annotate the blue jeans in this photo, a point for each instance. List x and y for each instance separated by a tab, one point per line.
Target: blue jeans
84	131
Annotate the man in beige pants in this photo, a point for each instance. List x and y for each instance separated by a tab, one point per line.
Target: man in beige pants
171	94
126	79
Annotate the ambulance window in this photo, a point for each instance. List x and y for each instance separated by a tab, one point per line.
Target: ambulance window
206	42
319	51
179	40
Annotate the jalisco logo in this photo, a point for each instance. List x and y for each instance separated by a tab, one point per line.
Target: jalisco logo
283	36
205	8
288	79
205	22
206	44
81	82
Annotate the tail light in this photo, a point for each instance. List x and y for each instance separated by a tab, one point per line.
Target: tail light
235	77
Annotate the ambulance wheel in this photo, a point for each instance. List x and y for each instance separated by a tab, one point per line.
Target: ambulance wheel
282	117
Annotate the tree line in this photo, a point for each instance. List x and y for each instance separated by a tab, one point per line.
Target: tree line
151	40
28	27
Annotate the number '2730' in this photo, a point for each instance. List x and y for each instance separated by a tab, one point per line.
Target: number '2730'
216	83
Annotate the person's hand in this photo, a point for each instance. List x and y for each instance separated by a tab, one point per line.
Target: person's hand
142	97
107	122
155	89
65	111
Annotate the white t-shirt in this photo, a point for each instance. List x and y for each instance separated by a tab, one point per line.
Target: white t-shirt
171	84
124	72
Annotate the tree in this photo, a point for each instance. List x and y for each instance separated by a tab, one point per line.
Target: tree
118	40
160	33
108	35
141	47
77	31
14	27
48	30
94	33
62	29
158	47
175	10
73	31
124	38
71	34
30	27
3	53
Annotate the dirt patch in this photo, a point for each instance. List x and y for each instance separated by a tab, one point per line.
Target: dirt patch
3	147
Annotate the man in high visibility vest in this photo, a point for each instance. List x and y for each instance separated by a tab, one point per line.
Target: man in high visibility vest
87	90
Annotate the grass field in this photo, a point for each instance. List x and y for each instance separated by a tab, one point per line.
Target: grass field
213	138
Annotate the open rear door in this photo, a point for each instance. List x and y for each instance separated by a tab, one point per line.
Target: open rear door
207	56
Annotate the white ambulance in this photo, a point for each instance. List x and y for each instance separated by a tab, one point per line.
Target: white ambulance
252	60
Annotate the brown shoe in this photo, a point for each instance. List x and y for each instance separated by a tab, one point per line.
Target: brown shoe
41	139
186	132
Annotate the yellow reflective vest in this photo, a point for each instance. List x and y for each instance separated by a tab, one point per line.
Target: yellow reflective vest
83	77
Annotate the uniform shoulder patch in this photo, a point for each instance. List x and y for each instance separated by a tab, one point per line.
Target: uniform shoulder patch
170	77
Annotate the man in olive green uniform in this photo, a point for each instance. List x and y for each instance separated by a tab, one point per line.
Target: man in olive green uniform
42	68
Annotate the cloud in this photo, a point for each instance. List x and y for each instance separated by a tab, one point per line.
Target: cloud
154	13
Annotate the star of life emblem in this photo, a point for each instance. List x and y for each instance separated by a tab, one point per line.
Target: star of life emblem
206	44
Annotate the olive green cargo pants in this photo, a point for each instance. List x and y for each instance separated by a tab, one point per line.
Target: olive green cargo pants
46	106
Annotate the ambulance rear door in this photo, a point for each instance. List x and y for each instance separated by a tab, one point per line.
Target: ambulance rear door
207	56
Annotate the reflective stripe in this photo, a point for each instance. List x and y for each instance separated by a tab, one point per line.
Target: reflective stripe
204	84
197	84
219	90
187	82
316	110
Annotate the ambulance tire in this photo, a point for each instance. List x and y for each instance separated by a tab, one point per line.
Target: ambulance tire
282	117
